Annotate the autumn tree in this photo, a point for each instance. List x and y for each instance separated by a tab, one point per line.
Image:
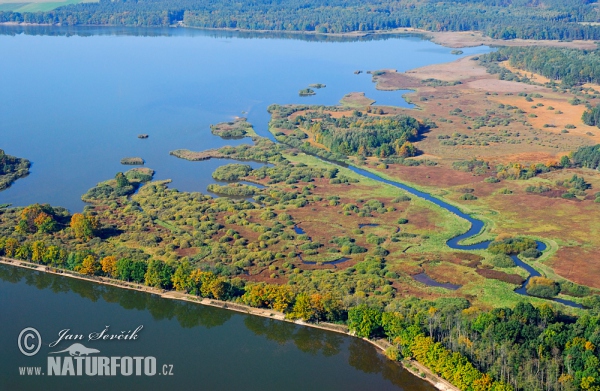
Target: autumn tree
109	265
38	250
84	226
36	218
89	266
182	280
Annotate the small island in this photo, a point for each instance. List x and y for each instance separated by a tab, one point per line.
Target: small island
307	92
239	128
457	52
142	136
197	156
133	161
317	85
11	169
356	100
357	72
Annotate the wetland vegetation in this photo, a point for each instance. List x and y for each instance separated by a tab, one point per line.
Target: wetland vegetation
11	169
364	245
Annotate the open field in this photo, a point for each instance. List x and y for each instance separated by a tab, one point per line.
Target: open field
37	5
456	39
479	115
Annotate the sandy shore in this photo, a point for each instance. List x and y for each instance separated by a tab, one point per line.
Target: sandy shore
380	344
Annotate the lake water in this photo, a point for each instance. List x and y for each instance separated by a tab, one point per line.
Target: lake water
74	100
209	348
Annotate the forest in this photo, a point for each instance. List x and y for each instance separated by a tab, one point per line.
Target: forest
569	66
11	169
588	157
358	134
508	19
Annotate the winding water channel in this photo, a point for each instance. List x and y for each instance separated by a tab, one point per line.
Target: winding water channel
74	103
475	229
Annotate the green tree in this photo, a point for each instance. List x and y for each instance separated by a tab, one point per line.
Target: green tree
364	321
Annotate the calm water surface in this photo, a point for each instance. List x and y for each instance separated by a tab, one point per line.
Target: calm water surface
209	348
74	100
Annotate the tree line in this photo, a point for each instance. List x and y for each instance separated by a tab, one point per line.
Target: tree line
507	19
569	66
520	348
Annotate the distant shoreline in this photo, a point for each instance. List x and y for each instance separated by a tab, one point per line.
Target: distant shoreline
450	39
381	345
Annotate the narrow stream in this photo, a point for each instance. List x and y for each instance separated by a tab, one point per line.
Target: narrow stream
475	229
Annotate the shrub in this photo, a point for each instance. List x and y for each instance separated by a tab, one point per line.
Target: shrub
502	260
511	245
402	198
530	253
468	197
542	287
572	289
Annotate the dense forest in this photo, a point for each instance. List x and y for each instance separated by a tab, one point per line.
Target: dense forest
569	66
536	19
11	168
592	116
358	134
587	157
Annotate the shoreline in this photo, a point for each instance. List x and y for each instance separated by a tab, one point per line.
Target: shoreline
449	39
381	345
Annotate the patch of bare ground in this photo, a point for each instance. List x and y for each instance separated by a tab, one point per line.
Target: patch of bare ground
580	265
392	80
356	99
474	38
196	156
499	275
449	273
187	252
408	290
432	175
492	84
489	109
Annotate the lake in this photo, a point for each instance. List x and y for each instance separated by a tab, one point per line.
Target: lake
73	100
209	348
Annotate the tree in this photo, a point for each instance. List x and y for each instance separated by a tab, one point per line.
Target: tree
109	265
565	162
129	270
302	308
122	180
38	251
84	226
36	217
10	247
364	321
182	280
158	274
52	255
89	266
